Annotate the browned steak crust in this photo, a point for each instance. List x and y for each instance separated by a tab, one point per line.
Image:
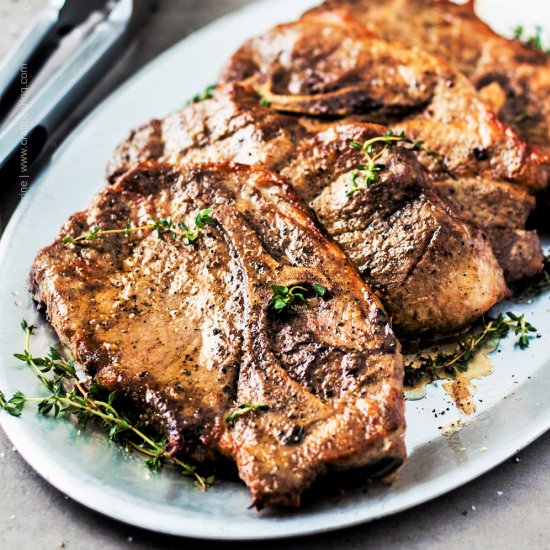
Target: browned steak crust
515	246
487	203
433	272
502	210
185	332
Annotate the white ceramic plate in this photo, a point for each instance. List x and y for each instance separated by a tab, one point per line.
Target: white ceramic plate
515	408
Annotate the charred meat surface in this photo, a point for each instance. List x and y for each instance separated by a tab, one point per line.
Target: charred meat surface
234	127
186	332
433	272
502	210
519	249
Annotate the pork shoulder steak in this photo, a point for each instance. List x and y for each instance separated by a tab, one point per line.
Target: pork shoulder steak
186	334
353	74
514	77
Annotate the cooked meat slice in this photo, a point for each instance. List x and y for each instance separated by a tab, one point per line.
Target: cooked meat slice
186	333
521	251
487	203
514	76
143	143
352	73
433	272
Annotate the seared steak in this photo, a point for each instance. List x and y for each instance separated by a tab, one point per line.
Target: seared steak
186	333
235	127
514	77
433	272
353	74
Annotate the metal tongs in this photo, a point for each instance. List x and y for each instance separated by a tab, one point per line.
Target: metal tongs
41	114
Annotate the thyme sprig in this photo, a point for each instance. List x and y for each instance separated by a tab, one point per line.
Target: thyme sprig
365	174
161	227
533	40
245	408
521	328
13	406
207	93
285	298
69	396
448	365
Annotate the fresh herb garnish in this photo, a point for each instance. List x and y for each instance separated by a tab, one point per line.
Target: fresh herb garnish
264	102
245	408
534	40
284	298
448	365
71	396
207	93
319	289
163	226
13	406
521	328
365	174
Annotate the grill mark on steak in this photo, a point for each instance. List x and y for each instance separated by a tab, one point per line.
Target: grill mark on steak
388	230
318	160
422	253
184	334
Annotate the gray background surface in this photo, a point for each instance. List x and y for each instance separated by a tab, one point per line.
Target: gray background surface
507	508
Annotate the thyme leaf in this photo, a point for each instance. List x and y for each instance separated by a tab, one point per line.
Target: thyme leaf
68	395
207	93
263	101
13	406
521	328
448	365
533	40
245	408
285	298
365	174
161	227
319	289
